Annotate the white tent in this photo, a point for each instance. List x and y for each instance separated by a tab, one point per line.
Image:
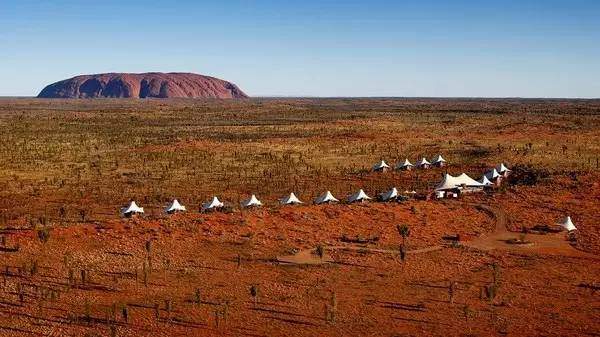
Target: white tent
327	197
439	161
485	181
175	207
492	175
132	209
405	166
423	163
462	182
381	166
291	200
359	196
215	203
503	170
389	195
252	202
567	224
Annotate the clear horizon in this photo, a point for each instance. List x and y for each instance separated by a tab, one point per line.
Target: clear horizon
526	49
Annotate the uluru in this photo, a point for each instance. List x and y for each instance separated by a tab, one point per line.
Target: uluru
145	85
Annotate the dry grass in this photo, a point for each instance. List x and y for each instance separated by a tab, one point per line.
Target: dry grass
195	277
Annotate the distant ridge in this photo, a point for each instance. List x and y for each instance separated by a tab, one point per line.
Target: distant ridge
146	85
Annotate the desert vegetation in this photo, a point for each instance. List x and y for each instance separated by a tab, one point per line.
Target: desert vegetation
71	265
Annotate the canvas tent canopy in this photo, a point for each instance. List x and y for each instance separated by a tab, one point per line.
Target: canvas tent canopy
423	163
359	196
382	165
485	181
251	202
389	195
327	197
492	175
175	207
215	203
291	200
404	166
132	209
567	224
502	169
439	160
461	182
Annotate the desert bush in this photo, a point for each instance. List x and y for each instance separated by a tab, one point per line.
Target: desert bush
527	175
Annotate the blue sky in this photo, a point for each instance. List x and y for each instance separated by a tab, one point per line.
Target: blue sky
527	48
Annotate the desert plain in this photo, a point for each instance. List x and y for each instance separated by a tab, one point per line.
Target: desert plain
71	265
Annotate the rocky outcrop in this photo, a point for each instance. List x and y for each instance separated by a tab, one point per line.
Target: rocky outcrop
148	85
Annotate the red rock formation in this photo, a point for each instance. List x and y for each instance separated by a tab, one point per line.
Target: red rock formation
155	85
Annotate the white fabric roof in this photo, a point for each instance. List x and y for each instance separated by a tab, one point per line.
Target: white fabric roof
405	164
439	159
391	194
567	224
253	201
501	168
326	197
214	203
291	200
359	196
382	164
485	181
450	182
132	208
423	161
493	174
175	206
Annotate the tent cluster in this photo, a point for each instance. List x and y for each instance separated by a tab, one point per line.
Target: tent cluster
495	176
452	186
252	202
406	165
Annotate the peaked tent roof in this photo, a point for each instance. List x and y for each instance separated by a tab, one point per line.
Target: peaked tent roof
450	182
501	168
567	224
132	208
214	203
175	206
326	197
389	195
253	201
423	161
291	200
381	165
464	179
439	159
492	174
485	181
405	164
359	196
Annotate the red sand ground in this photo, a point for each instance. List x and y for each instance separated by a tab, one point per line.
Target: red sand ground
376	294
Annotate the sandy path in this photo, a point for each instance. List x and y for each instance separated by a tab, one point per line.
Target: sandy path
553	244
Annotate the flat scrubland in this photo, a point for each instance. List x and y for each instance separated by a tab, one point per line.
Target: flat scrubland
71	266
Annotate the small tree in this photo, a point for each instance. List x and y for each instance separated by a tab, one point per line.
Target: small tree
254	293
404	232
451	291
43	234
321	251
